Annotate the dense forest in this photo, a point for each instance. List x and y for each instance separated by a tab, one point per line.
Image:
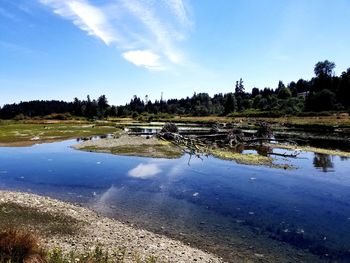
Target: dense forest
324	92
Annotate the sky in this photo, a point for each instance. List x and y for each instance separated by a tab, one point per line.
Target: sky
62	49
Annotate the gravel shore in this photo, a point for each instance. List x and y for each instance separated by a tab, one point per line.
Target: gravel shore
108	233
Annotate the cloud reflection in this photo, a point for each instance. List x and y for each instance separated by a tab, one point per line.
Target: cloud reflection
145	171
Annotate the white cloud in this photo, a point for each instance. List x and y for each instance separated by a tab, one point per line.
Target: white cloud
162	36
179	9
145	171
84	15
147	32
144	58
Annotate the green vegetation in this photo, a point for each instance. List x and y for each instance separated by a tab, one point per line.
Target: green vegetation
160	150
155	151
325	93
21	229
14	215
311	149
336	120
18	245
98	255
251	159
24	133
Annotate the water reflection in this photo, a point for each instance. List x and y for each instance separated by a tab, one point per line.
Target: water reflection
264	150
324	162
95	137
214	204
145	171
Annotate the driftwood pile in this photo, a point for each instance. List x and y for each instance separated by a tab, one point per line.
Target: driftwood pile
189	144
217	137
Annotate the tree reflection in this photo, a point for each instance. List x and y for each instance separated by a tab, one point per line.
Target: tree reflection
264	150
323	161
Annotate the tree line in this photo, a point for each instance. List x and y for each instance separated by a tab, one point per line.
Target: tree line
96	108
324	92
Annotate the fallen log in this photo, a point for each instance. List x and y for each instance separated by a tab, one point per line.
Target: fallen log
269	139
293	155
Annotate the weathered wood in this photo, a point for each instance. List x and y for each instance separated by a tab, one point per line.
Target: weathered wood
269	139
200	144
295	155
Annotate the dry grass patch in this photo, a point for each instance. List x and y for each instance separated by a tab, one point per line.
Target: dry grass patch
18	245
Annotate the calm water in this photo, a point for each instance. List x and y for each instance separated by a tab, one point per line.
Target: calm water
217	205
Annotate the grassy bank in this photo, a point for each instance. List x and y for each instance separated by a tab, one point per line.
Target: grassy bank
18	245
133	146
14	133
310	149
249	159
28	132
331	121
13	215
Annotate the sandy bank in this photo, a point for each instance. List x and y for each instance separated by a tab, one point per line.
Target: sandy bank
93	229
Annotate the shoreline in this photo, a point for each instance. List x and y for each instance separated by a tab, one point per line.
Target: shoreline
96	230
128	145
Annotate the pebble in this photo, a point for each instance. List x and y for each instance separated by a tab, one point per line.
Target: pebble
109	233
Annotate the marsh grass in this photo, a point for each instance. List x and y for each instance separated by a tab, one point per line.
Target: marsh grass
12	132
251	159
311	149
98	255
21	229
14	215
307	121
18	245
156	151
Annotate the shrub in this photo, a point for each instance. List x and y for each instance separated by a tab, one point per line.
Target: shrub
59	116
314	114
19	117
256	113
17	245
134	115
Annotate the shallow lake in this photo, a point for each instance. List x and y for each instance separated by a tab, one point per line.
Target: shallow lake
217	205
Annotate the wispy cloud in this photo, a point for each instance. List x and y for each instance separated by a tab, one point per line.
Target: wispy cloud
179	8
7	14
147	32
84	15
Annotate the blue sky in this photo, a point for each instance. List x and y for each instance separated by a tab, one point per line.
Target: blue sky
61	49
